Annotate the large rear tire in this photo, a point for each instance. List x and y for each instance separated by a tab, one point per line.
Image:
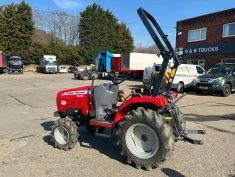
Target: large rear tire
64	134
145	139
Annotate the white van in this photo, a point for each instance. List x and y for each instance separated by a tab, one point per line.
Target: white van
184	77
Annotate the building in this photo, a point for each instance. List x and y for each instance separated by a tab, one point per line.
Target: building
208	39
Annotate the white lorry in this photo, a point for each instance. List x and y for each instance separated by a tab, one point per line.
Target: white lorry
184	77
48	64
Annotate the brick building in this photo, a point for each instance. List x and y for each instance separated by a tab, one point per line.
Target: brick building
207	39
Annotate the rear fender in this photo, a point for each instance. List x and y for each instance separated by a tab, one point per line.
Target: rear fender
147	102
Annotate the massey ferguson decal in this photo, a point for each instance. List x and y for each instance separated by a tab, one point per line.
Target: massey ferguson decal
80	92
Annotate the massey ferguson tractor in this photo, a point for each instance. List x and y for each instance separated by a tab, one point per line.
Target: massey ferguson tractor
147	125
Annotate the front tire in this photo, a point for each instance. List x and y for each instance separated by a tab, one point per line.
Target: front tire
145	139
64	134
180	87
226	90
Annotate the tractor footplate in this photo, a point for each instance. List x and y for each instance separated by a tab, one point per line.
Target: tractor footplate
101	123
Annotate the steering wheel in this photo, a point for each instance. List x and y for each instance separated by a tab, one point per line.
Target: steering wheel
117	80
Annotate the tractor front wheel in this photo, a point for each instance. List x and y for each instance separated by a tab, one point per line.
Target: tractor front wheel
145	139
64	133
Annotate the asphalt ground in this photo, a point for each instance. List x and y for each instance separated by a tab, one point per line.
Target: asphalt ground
27	103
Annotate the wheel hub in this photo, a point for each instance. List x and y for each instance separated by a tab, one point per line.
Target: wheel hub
144	138
142	141
61	135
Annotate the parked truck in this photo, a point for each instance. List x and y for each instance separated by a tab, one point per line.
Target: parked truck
129	65
102	66
133	64
48	64
3	62
15	63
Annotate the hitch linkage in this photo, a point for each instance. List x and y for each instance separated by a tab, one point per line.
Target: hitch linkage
183	136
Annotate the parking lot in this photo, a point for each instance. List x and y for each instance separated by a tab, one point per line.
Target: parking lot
27	103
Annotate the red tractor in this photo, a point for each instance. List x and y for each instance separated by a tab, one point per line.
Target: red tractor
147	125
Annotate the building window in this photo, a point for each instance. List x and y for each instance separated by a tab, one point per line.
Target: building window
197	35
229	30
197	62
228	60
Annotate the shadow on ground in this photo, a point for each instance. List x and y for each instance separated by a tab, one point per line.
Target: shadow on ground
206	118
106	146
47	125
171	173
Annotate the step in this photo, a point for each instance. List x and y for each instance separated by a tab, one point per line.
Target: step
101	123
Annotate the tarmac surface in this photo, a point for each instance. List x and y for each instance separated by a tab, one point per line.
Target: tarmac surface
27	103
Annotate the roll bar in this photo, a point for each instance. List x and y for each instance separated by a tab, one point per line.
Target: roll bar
165	48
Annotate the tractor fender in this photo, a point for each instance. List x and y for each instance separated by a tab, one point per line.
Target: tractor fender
134	102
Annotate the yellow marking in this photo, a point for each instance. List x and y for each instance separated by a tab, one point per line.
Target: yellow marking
142	90
168	118
166	75
173	72
122	98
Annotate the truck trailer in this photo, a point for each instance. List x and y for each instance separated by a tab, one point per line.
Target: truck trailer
48	64
3	62
132	65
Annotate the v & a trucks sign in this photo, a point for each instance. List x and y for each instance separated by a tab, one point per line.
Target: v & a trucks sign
222	48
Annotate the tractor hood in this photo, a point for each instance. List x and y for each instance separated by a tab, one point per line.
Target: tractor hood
73	99
75	91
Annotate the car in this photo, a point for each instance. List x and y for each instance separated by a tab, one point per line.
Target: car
185	75
62	69
220	78
72	69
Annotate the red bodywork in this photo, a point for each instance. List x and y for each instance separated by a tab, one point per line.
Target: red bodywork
75	98
81	99
145	101
3	60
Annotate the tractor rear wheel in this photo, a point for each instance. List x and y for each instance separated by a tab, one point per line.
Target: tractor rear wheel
64	133
145	139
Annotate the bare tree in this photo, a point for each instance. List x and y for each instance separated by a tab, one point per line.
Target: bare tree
59	24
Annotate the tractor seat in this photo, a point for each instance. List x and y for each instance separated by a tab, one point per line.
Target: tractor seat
105	99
